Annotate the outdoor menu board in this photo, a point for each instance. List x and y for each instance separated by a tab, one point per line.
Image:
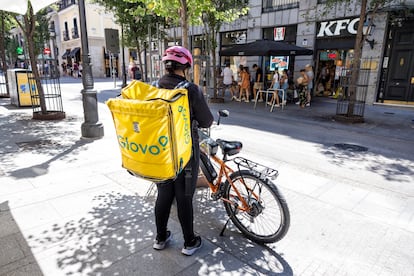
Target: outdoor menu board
280	62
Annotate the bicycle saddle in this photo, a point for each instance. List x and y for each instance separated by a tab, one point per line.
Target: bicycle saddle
229	147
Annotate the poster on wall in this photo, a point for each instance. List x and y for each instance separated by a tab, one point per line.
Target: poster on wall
279	33
280	62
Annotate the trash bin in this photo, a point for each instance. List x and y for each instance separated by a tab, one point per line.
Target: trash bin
20	89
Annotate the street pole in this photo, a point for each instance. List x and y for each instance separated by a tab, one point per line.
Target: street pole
150	52
124	73
91	127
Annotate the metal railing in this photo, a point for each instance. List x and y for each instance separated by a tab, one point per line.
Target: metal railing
352	96
273	5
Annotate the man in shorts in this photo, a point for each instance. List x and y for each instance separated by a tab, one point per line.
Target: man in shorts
228	80
258	82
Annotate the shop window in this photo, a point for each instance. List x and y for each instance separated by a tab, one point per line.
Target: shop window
233	37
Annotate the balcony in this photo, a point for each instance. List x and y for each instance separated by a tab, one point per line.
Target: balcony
75	33
63	4
275	5
65	36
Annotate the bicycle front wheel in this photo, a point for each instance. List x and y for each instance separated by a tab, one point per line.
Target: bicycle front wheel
267	218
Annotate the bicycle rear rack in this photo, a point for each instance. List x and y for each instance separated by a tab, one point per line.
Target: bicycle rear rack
263	170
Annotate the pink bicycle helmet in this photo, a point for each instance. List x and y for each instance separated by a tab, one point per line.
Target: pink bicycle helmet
178	54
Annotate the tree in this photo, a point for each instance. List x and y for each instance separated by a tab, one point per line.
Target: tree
36	32
6	43
215	13
366	6
211	13
137	20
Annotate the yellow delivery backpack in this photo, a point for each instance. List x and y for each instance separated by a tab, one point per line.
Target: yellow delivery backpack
153	129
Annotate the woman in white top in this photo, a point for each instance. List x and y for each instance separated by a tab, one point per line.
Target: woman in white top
275	80
275	85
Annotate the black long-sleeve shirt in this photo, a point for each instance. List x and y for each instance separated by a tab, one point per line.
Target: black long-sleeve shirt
200	112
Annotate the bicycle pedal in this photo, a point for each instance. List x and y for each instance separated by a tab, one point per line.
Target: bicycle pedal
216	196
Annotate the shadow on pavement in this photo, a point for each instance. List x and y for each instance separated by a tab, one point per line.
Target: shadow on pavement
116	236
42	168
33	141
210	217
16	257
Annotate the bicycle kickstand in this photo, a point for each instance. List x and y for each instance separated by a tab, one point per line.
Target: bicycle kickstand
224	228
225	225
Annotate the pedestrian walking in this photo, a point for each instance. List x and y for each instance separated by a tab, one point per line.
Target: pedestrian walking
302	83
245	85
258	82
309	91
228	80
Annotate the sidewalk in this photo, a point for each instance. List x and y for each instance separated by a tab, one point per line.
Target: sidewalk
68	208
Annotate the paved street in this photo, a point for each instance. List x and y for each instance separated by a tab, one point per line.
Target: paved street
68	208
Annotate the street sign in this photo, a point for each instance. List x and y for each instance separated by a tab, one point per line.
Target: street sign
19	50
112	40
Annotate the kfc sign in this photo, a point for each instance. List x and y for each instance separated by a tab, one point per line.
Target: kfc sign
341	27
279	34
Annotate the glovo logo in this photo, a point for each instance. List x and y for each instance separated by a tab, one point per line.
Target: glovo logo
141	148
187	130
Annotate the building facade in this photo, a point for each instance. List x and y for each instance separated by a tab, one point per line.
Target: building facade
68	38
387	53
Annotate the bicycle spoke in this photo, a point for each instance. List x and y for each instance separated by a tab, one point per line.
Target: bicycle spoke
261	212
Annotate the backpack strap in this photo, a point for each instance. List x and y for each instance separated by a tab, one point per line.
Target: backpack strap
156	83
188	169
182	84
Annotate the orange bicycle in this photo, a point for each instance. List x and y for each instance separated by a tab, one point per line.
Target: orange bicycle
252	201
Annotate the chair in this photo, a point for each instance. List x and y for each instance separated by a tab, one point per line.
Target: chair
276	91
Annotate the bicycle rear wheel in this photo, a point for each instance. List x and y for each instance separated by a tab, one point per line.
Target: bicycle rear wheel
267	219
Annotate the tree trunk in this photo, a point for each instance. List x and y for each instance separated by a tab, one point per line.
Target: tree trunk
214	59
184	23
3	51
140	59
357	60
30	23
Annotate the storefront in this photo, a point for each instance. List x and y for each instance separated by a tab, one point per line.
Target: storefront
228	39
334	48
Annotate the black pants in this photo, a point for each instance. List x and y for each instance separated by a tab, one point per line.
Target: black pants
169	190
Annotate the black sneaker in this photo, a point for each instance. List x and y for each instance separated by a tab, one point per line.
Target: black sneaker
160	245
190	250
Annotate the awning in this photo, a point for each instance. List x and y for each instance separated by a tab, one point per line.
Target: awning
266	48
44	57
65	55
74	52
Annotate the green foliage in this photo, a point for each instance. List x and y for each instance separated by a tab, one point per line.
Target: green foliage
136	18
41	34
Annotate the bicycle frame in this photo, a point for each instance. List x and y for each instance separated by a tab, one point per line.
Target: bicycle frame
226	171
